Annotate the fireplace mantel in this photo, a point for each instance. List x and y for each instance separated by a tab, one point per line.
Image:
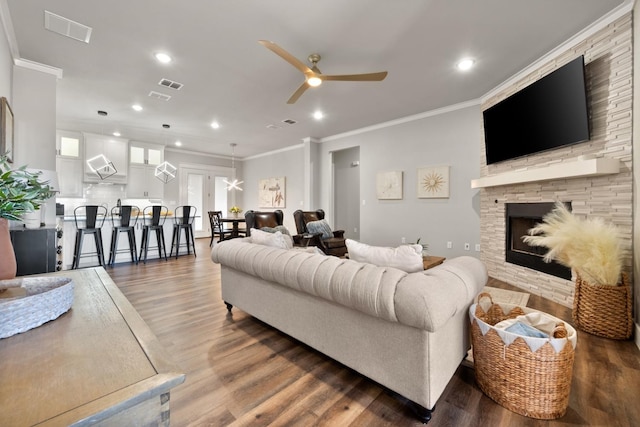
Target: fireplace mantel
581	167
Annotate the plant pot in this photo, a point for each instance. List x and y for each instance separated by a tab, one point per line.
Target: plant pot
8	266
603	310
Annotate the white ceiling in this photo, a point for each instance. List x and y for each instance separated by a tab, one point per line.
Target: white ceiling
230	78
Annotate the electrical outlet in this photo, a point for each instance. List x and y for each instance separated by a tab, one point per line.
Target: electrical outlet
449	245
404	240
477	247
467	246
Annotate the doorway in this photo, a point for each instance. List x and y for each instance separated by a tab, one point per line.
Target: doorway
203	187
346	192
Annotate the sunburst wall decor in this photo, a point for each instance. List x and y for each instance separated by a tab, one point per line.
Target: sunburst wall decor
433	182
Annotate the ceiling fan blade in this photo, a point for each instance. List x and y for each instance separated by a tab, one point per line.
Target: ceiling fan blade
304	86
286	56
369	77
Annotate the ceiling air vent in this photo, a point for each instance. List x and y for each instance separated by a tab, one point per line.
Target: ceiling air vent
160	96
289	121
171	84
66	27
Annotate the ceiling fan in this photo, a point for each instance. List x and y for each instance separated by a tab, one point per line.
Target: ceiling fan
313	76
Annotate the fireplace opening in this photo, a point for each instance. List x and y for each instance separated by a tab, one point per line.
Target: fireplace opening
520	217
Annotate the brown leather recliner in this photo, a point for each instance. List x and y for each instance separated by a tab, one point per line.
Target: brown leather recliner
255	219
334	245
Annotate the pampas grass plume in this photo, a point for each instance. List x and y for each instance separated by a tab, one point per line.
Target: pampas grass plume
589	246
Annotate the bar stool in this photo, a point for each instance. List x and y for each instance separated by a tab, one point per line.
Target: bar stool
124	220
158	215
93	218
183	220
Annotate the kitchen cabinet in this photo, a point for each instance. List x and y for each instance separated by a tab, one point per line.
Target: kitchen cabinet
142	181
114	149
69	156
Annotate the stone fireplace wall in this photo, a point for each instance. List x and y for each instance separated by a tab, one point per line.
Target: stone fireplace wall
609	73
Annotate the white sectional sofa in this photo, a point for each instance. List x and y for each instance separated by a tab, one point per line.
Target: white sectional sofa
406	331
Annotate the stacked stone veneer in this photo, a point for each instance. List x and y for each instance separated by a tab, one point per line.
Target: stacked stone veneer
609	73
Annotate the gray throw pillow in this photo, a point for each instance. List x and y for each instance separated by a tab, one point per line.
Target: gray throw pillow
280	228
321	226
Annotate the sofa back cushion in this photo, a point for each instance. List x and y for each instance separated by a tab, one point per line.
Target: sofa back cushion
406	257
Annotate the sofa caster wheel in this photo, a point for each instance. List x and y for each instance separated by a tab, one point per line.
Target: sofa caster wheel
229	306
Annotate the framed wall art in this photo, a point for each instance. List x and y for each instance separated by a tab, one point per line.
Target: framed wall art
389	185
433	182
271	193
6	129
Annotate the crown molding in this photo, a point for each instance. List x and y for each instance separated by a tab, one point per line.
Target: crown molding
596	26
402	120
36	66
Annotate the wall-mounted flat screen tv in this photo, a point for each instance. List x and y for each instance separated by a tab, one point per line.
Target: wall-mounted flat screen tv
549	113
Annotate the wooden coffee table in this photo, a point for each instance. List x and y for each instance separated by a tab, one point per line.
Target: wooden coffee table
429	261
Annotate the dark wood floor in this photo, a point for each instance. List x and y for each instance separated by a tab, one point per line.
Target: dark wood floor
241	372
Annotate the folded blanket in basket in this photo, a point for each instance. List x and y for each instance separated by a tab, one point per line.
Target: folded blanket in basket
526	330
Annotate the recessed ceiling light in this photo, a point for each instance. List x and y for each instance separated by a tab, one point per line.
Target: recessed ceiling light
178	144
137	107
318	115
163	57
465	64
215	125
116	133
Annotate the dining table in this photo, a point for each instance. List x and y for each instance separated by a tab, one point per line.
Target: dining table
235	226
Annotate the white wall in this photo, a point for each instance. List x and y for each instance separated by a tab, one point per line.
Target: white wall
449	137
288	163
6	66
34	110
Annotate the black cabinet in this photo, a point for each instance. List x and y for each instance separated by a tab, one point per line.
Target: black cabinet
35	249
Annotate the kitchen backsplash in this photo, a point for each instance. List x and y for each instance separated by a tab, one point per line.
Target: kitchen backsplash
106	194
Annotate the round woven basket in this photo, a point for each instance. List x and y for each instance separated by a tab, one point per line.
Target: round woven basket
536	383
46	299
603	310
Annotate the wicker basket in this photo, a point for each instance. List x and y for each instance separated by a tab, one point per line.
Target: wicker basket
46	299
603	310
535	384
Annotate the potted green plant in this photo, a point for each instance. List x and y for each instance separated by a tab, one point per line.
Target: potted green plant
21	191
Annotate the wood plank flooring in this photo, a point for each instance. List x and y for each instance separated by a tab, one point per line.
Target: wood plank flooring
241	372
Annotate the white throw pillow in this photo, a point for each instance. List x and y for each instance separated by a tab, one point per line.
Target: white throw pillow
277	239
406	257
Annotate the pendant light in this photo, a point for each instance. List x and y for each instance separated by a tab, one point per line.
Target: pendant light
99	164
235	184
165	171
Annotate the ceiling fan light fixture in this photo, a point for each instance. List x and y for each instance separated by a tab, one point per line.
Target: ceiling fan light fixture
314	81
